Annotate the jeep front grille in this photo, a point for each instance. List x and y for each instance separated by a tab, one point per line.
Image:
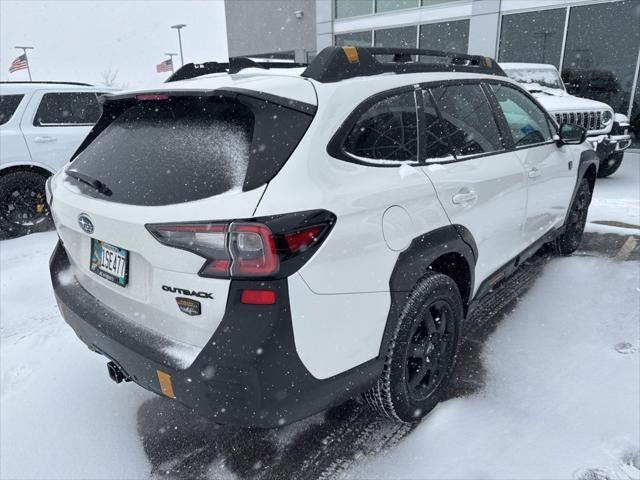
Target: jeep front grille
588	120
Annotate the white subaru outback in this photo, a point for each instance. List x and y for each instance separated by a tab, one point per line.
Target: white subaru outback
607	132
261	244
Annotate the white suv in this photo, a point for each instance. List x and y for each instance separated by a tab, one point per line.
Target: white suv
41	126
262	244
607	132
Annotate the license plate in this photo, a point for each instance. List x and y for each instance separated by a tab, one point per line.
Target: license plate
110	262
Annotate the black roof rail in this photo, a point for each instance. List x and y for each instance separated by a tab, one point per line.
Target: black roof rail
50	82
333	64
234	65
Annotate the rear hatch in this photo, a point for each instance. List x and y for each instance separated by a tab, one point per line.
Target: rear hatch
168	159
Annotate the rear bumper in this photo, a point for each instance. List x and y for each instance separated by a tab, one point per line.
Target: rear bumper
248	374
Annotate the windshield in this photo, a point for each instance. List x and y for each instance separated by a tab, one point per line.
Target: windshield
545	77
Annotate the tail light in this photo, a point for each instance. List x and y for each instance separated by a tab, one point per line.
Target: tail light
271	247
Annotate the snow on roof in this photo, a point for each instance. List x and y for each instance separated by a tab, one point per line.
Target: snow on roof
283	82
518	66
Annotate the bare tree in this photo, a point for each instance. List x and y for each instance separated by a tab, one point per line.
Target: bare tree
109	78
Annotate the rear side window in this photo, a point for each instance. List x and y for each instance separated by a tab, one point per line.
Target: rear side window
68	108
388	130
527	122
189	148
8	106
468	118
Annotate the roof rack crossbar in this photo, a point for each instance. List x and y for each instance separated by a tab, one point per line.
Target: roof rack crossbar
339	63
234	65
47	82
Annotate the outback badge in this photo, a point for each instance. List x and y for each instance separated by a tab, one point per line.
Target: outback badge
188	306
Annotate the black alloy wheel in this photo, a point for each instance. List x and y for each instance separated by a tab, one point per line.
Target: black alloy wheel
569	241
23	205
422	351
429	351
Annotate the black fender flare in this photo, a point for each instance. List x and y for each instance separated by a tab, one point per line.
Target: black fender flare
414	262
587	158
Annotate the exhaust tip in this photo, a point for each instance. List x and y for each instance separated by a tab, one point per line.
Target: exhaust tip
116	374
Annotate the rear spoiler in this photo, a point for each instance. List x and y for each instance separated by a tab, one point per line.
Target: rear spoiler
113	105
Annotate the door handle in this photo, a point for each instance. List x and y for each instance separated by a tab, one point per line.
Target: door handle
535	172
44	139
464	198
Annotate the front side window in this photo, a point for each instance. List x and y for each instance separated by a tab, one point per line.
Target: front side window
8	105
527	122
68	108
388	130
468	119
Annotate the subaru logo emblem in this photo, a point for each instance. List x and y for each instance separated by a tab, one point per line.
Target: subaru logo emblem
85	223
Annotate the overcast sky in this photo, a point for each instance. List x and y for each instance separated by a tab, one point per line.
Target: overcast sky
77	40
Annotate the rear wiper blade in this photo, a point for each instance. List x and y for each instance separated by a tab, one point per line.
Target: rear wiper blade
92	182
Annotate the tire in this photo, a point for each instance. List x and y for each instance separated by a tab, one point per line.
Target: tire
23	205
407	390
610	164
569	241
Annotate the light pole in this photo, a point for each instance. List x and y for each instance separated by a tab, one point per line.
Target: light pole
24	52
179	27
171	55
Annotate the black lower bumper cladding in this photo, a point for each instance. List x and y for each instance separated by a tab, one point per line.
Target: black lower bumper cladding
248	373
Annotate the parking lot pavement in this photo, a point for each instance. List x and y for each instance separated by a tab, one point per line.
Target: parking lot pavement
63	418
182	445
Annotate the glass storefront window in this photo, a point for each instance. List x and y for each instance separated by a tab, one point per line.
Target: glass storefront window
401	37
356	39
352	8
404	37
602	51
433	2
447	36
533	37
388	5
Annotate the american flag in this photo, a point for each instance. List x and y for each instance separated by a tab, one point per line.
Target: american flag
20	63
166	66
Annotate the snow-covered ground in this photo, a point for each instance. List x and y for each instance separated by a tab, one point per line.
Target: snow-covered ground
560	399
617	198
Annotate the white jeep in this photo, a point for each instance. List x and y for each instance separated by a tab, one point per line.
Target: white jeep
41	126
607	131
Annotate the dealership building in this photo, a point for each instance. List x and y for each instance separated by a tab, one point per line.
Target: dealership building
594	43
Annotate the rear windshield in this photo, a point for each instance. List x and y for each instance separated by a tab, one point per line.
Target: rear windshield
8	105
163	152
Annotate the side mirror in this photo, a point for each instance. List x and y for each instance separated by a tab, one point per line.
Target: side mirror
572	134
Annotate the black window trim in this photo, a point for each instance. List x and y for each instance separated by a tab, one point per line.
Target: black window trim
34	120
499	122
509	136
336	147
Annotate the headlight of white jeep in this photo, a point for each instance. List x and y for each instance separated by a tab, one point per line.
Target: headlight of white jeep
607	116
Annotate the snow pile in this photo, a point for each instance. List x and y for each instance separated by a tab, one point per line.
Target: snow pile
617	198
62	417
560	400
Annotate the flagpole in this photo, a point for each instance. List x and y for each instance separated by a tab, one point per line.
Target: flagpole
24	51
171	55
